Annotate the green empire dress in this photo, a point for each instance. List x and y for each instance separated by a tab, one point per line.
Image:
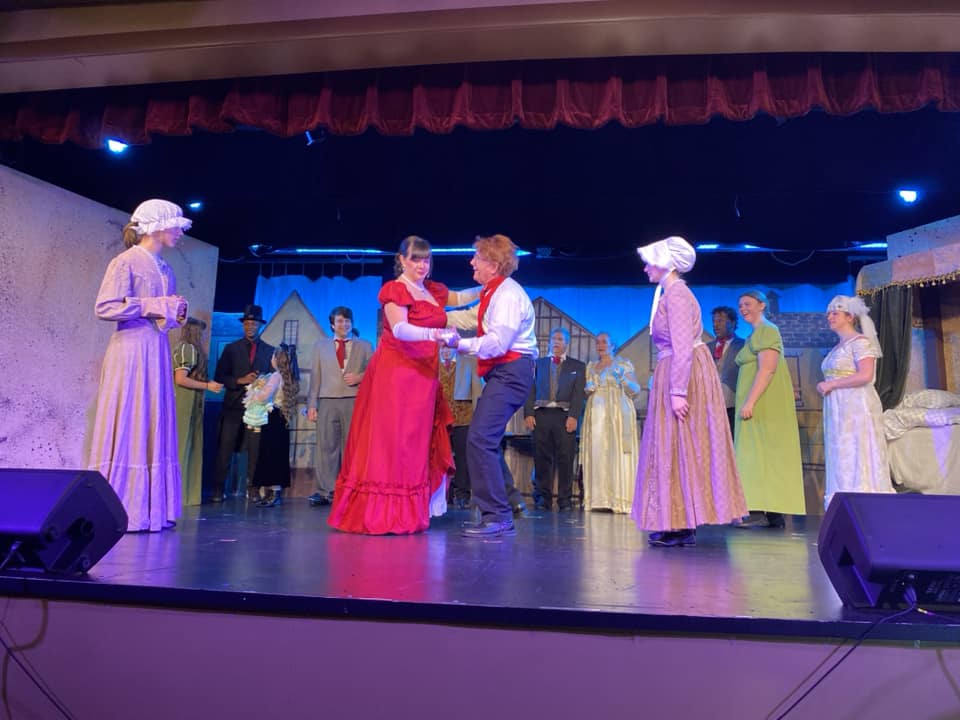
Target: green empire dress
768	445
189	404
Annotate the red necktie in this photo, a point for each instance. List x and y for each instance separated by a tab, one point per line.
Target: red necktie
341	352
718	348
253	352
556	360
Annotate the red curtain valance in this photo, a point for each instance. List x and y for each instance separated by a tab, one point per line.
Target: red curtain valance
492	96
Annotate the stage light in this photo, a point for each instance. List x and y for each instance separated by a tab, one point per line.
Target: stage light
373	252
310	139
195	205
872	246
747	246
708	246
908	196
115	146
262	251
332	251
467	251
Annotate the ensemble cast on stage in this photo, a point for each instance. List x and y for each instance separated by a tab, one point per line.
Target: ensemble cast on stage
421	419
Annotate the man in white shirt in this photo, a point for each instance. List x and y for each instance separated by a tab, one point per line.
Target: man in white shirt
506	350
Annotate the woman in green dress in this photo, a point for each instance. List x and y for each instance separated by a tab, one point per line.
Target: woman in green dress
767	439
190	382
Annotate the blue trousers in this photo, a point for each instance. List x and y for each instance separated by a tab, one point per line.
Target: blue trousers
506	389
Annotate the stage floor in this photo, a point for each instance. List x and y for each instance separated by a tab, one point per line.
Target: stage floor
582	570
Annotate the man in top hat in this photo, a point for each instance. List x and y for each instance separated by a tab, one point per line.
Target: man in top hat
239	365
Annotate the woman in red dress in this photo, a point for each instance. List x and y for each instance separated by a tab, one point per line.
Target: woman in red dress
398	456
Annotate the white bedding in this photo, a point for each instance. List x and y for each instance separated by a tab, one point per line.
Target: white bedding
923	409
923	434
927	460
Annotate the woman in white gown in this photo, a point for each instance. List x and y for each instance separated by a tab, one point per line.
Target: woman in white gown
608	441
855	448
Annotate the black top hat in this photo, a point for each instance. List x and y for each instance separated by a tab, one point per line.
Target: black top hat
253	312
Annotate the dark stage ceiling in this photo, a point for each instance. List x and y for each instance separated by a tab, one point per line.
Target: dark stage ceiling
812	186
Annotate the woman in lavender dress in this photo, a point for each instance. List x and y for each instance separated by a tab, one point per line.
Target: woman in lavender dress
134	439
687	476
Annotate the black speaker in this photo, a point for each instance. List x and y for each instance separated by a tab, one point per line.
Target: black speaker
57	521
884	549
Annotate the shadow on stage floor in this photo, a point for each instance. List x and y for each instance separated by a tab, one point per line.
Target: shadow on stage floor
589	571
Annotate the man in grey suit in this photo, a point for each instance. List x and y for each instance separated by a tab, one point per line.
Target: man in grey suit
724	349
338	366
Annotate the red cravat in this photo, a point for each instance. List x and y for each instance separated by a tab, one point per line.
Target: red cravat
341	352
253	352
718	348
556	360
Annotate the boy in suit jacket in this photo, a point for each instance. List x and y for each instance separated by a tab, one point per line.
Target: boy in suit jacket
338	366
552	412
239	365
724	349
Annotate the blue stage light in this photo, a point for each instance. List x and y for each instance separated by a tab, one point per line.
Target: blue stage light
908	196
342	251
329	251
872	246
466	251
708	246
115	146
195	205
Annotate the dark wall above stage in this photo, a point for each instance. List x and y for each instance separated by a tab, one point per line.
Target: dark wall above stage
585	199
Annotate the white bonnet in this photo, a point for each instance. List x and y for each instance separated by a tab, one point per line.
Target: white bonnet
672	253
153	215
844	303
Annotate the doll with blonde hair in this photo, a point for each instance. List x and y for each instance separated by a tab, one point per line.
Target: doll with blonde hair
270	403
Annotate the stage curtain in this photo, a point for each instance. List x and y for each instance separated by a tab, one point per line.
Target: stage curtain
892	312
539	94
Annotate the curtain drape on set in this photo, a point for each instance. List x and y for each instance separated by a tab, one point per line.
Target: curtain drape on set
891	312
537	94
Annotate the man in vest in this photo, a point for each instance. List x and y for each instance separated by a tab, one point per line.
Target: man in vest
552	413
506	350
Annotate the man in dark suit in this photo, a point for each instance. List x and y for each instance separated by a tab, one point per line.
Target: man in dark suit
552	413
724	350
239	365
